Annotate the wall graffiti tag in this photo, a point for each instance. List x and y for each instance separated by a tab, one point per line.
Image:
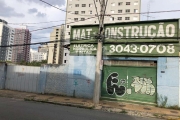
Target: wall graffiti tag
143	85
112	85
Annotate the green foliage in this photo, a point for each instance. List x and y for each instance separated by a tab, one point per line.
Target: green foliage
162	100
33	63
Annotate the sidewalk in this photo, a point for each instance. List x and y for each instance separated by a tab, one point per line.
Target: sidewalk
118	107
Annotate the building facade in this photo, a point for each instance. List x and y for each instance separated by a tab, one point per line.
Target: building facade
21	53
78	12
37	56
137	61
6	39
55	49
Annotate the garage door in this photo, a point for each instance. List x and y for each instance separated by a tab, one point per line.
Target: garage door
130	83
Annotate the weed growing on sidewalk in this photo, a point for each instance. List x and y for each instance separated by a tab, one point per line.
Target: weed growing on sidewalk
123	111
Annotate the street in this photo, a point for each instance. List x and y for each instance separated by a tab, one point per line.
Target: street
13	109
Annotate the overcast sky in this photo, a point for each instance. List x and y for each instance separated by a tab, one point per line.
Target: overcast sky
34	11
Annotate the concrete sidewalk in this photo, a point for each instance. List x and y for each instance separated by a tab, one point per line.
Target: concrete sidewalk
118	107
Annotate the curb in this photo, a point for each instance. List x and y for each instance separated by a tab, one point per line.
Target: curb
107	109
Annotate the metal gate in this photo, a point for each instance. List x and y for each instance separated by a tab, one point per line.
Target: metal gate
130	83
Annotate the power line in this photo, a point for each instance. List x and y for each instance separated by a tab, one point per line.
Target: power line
147	12
61	9
53	26
36	23
96	10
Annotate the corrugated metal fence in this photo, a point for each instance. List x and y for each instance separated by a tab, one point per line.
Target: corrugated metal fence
2	75
22	78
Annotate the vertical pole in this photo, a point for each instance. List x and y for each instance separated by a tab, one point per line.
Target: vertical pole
97	83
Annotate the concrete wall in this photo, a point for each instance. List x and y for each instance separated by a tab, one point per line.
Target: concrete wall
2	75
81	75
22	78
168	81
168	78
56	79
75	79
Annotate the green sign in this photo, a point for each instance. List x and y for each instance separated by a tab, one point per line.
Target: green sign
148	38
83	49
148	31
164	49
83	34
162	31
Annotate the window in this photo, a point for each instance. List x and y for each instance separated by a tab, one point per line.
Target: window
120	3
136	3
127	18
64	61
119	11
90	12
119	18
127	10
90	5
83	5
75	19
112	4
65	54
69	33
67	26
135	10
128	3
82	12
112	19
76	5
57	29
76	12
82	19
135	18
112	11
70	5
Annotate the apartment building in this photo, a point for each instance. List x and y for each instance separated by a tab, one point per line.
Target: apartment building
37	56
55	49
21	53
82	12
6	39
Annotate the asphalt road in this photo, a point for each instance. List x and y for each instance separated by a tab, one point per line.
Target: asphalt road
13	109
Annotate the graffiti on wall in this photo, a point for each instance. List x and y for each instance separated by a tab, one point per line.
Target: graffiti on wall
143	85
112	85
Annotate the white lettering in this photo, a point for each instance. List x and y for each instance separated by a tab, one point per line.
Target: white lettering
127	31
161	31
76	34
89	33
170	33
119	32
150	34
135	31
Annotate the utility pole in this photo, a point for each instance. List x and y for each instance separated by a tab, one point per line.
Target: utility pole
98	72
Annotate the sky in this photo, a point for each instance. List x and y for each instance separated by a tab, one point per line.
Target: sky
35	11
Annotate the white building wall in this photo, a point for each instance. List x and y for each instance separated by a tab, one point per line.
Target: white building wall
89	11
37	56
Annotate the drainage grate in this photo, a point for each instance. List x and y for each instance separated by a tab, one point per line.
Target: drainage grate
173	111
147	108
122	105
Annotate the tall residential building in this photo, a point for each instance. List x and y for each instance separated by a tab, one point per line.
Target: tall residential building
55	52
37	56
78	12
21	53
6	39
